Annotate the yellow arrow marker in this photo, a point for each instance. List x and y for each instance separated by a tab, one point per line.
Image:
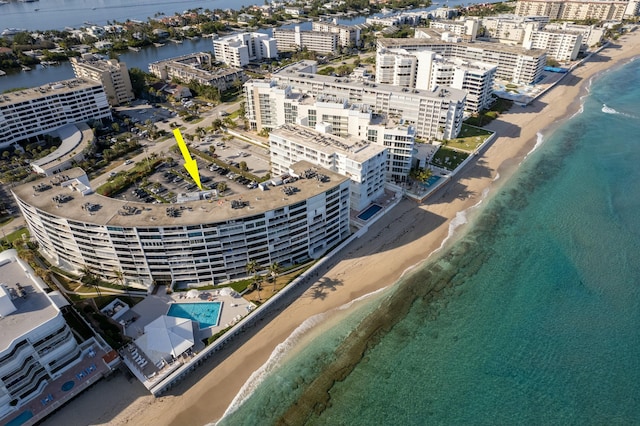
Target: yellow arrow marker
189	163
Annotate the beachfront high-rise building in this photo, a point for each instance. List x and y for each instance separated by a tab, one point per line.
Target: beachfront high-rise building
509	28
592	36
238	50
603	10
270	105
432	114
348	35
316	41
30	113
558	39
208	240
424	69
197	67
113	76
364	163
559	45
514	63
36	344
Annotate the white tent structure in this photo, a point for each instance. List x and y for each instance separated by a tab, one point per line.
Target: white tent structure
166	336
228	291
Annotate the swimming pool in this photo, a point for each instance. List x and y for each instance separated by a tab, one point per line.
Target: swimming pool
432	179
207	314
21	419
369	212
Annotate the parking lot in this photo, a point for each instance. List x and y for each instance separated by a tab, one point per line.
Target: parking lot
170	179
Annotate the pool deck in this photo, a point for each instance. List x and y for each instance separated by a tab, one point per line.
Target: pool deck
232	310
156	305
384	201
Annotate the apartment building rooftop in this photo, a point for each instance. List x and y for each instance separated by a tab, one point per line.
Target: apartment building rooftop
435	39
300	70
353	148
69	194
195	68
60	87
23	305
97	63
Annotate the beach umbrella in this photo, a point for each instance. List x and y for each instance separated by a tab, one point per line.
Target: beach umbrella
193	293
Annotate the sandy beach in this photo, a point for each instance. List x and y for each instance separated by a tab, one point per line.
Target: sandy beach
400	240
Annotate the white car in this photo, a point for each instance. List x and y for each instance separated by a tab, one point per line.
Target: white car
126	163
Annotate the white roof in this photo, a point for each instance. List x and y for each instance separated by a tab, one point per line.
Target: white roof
167	335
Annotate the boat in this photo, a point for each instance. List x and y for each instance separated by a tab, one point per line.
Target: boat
135	49
25	68
12	31
158	44
2	73
3	2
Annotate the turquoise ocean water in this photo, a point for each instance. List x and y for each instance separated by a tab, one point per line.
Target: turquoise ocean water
536	314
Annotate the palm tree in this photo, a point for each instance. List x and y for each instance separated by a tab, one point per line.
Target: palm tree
119	279
252	268
274	270
90	279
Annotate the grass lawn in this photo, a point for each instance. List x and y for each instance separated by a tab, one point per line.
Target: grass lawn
470	138
16	235
448	158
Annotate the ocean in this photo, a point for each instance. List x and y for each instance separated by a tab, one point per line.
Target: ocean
531	315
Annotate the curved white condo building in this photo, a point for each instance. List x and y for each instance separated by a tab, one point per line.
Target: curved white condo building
205	241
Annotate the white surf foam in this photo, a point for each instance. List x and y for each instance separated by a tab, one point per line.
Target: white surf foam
608	110
539	142
461	219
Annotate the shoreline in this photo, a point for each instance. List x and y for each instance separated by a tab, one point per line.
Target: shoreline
400	241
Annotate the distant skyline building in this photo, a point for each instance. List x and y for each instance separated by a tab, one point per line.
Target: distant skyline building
197	67
348	35
297	39
467	29
432	114
424	69
113	76
603	10
238	50
515	64
31	113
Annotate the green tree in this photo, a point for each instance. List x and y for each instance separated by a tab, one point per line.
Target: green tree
118	278
253	268
274	271
138	81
